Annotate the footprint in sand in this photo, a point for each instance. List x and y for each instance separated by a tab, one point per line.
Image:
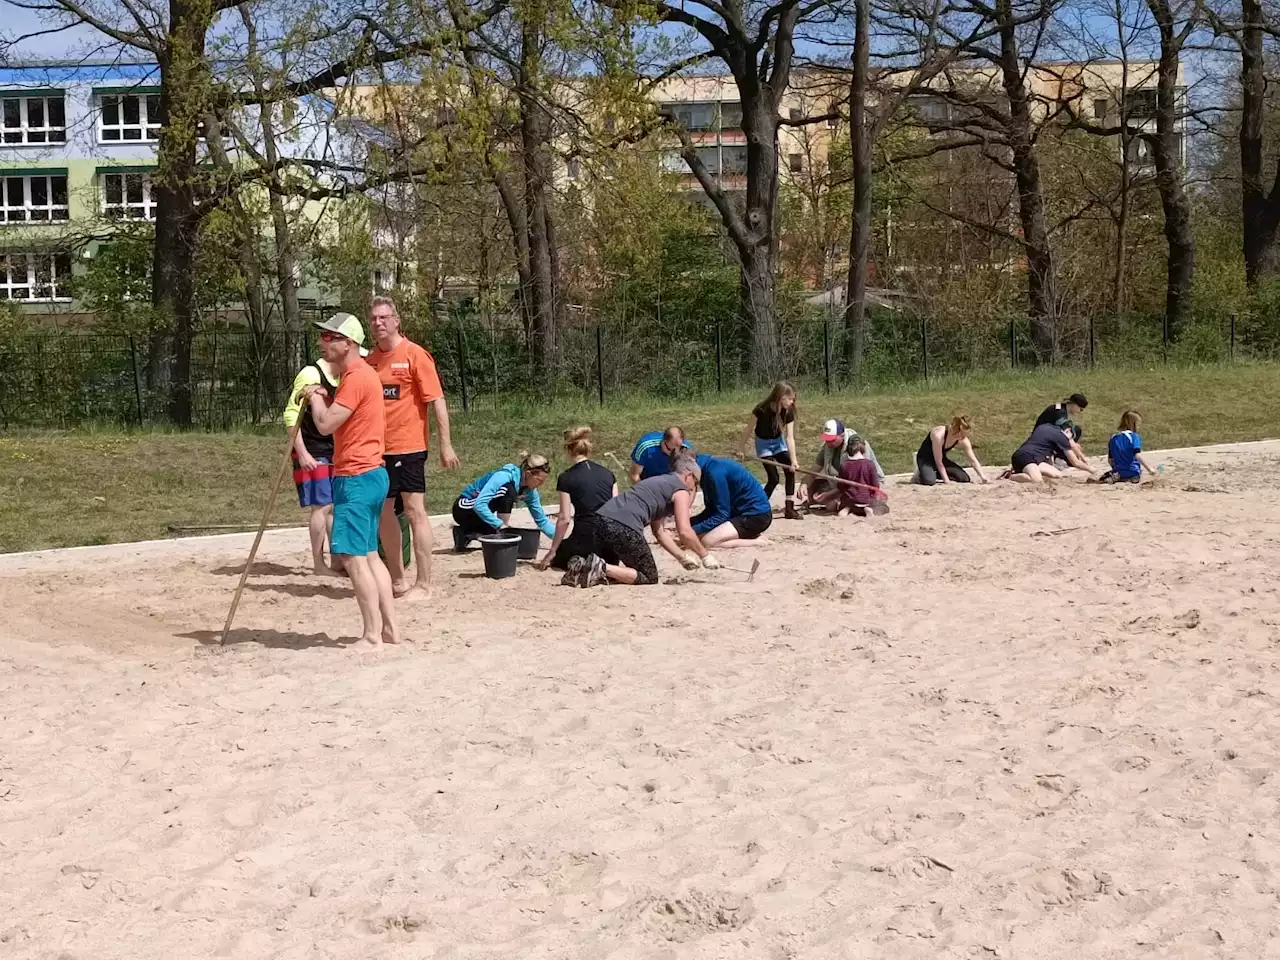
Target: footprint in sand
694	914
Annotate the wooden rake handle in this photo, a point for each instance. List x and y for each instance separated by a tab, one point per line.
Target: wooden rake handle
877	491
271	502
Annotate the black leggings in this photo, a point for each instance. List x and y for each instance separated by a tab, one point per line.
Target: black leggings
771	472
929	471
618	544
580	542
470	522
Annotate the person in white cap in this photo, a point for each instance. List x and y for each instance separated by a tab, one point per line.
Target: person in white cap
832	454
357	420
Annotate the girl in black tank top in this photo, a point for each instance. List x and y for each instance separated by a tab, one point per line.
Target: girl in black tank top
955	433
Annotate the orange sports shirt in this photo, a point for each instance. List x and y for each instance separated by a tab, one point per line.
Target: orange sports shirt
358	444
409	384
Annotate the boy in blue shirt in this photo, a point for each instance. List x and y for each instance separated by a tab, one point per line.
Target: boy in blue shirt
1125	452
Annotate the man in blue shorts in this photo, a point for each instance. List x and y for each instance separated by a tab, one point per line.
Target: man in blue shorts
358	423
651	456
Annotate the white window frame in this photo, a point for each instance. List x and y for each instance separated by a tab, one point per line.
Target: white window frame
54	213
9	262
124	210
147	128
48	133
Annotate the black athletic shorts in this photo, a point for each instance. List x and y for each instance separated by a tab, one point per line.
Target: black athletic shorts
1020	462
616	543
750	527
407	473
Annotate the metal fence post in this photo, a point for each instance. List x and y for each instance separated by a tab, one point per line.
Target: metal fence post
826	353
213	378
600	364
924	346
1232	349
1013	347
1092	343
462	369
719	360
44	401
1164	335
137	379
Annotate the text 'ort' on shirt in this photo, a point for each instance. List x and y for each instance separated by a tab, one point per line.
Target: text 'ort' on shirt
409	384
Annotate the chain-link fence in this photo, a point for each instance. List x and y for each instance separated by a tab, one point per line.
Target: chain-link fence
60	379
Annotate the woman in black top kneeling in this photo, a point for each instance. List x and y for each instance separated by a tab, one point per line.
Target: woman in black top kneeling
584	488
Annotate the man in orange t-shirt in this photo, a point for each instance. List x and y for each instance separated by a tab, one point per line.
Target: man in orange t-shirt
357	421
410	385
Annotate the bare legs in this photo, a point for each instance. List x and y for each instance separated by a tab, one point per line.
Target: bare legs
620	574
415	508
726	536
372	584
1036	473
319	526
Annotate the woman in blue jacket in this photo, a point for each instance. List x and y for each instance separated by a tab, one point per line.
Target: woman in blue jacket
485	505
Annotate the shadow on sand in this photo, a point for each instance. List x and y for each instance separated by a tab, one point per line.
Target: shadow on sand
261	568
277	639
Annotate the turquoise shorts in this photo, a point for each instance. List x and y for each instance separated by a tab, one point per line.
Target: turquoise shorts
357	504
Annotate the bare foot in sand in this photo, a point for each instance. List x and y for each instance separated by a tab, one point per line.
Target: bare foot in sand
390	634
417	592
368	642
324	570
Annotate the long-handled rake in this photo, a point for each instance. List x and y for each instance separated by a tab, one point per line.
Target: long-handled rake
876	492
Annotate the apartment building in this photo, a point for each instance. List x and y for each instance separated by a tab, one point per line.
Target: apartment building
710	109
77	147
78	154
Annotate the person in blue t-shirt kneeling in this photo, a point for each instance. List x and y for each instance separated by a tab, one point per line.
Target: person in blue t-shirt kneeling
1125	452
735	509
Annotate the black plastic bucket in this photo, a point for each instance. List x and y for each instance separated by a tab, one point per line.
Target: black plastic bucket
501	551
530	542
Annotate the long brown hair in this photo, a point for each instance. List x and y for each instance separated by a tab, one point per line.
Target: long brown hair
773	402
1130	420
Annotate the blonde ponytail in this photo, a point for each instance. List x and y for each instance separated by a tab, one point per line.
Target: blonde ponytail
577	442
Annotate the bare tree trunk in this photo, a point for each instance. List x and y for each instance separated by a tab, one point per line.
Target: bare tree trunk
1173	199
286	258
1260	208
184	86
1042	301
860	137
1119	279
757	247
535	145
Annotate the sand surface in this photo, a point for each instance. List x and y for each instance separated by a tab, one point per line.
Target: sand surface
1000	723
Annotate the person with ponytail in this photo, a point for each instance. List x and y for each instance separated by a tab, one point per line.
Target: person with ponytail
773	423
485	505
584	488
932	463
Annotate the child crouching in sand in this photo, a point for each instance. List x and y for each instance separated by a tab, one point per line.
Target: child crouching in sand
863	499
1125	452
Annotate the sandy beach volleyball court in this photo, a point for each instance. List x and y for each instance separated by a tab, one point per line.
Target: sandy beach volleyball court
1000	723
